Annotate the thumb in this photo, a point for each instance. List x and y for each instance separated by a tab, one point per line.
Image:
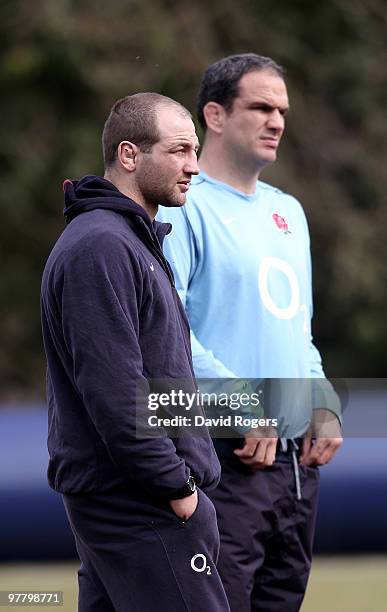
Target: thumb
248	448
306	446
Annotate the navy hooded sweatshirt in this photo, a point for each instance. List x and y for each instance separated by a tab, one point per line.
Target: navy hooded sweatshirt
111	318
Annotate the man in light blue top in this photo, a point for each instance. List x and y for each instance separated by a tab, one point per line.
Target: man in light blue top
241	257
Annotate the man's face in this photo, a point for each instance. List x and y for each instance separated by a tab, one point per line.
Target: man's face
253	128
164	174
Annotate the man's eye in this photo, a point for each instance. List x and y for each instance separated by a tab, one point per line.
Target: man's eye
262	107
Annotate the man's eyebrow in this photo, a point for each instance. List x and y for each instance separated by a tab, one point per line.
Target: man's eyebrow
186	142
284	108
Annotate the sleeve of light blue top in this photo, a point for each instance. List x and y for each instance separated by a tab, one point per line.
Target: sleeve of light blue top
323	394
180	250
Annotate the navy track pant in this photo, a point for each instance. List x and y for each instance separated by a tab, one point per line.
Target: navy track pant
138	556
266	535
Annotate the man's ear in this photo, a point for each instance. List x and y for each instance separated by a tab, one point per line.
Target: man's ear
127	155
214	114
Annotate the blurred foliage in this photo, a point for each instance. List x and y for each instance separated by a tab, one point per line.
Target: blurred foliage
64	63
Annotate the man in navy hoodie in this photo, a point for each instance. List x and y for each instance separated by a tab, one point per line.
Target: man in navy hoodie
144	528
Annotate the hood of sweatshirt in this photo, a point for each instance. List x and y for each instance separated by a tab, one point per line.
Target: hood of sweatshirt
95	192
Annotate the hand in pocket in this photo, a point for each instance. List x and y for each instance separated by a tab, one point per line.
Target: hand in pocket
184	508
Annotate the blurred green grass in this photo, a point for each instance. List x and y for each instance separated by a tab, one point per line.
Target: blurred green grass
347	584
337	584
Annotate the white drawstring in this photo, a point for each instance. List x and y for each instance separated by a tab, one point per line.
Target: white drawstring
296	469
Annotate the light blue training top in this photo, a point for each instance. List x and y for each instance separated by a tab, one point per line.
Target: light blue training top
243	271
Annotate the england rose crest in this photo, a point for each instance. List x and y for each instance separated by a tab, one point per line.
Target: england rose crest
281	223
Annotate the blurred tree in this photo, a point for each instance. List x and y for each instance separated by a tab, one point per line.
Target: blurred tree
64	63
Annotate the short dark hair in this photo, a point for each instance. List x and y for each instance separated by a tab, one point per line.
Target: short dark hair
134	118
220	82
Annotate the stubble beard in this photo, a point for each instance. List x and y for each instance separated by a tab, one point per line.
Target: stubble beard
174	201
154	193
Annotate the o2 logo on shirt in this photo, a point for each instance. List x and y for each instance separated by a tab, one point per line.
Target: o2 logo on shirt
199	564
294	307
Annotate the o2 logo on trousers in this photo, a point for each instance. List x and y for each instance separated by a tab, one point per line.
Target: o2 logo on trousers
294	306
199	564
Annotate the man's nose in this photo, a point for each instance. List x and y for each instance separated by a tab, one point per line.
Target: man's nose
191	165
276	120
